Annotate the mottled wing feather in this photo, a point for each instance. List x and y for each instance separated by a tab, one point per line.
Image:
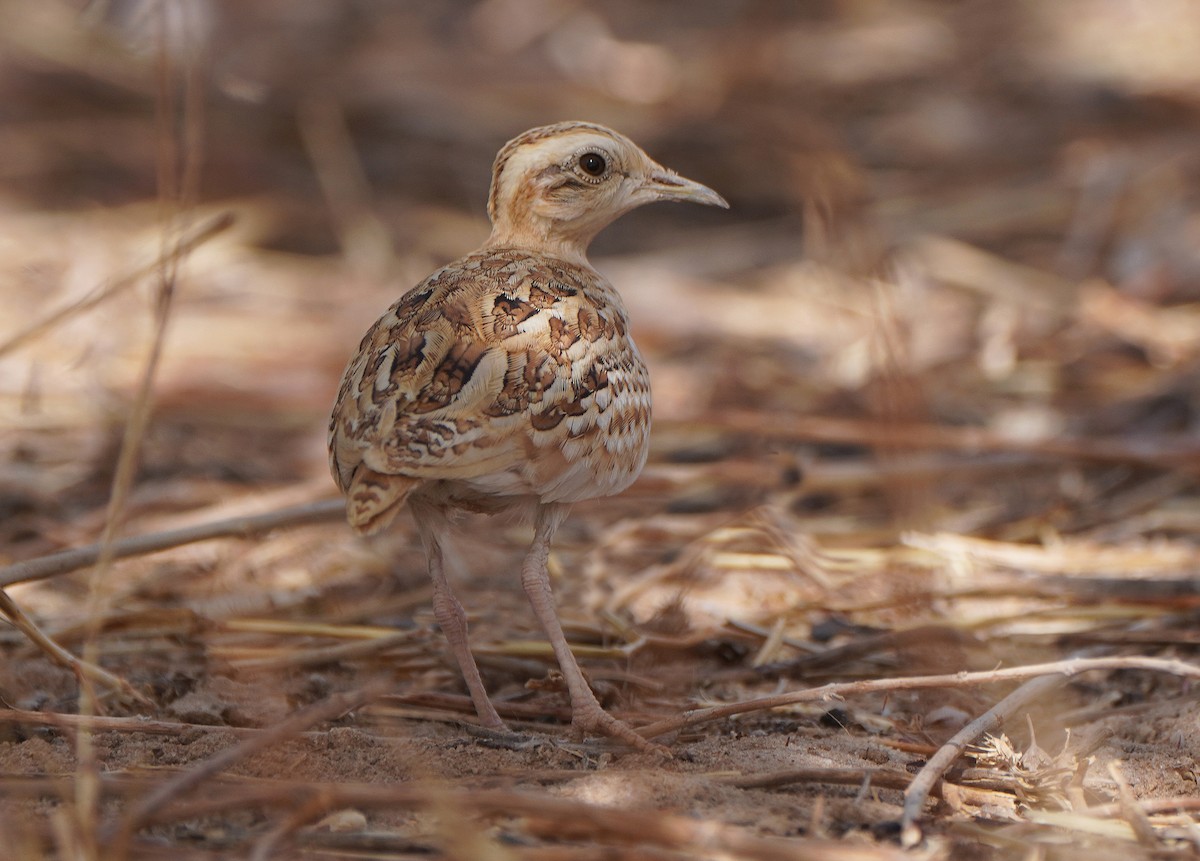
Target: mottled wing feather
373	500
510	373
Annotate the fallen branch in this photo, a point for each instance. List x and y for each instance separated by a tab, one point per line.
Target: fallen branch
193	240
164	794
545	816
1181	451
105	723
918	791
323	511
83	669
880	778
839	690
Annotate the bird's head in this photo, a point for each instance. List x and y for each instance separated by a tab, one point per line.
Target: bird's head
555	187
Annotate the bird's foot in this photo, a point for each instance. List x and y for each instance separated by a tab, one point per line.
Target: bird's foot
491	720
590	718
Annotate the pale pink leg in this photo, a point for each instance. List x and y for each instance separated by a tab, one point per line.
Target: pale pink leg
432	526
586	714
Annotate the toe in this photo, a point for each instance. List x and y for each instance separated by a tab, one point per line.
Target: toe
599	722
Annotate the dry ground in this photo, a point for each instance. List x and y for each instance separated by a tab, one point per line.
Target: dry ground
926	406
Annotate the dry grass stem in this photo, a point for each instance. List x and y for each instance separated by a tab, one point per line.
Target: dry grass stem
148	807
840	690
1131	811
105	723
249	526
1174	451
545	816
82	668
188	242
919	789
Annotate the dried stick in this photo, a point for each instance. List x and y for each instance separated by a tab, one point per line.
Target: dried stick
104	723
80	667
545	816
67	561
1178	450
1132	812
918	791
883	778
178	177
838	690
365	240
195	238
146	809
309	809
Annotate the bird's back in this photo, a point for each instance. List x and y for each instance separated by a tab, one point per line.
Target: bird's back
507	373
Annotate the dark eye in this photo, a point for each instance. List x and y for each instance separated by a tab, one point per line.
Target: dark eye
592	164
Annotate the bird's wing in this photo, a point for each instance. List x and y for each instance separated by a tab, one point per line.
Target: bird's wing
504	369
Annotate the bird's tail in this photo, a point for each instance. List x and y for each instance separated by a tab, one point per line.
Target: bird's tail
373	499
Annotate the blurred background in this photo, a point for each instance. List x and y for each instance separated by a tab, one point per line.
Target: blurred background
958	288
947	335
972	213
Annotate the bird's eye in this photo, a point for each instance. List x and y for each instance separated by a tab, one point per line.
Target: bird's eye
592	164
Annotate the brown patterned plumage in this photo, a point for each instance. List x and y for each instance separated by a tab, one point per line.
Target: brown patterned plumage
508	378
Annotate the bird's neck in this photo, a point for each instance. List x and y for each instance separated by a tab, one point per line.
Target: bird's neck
540	236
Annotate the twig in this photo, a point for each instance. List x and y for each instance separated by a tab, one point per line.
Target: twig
178	166
365	241
186	244
838	690
1150	806
80	667
544	815
1179	450
296	658
1072	555
867	645
104	723
879	777
308	810
935	767
1175	593
1131	811
146	809
235	527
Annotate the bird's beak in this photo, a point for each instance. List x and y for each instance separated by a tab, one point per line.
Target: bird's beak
663	184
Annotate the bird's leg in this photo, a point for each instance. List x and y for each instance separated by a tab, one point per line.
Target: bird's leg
586	712
433	526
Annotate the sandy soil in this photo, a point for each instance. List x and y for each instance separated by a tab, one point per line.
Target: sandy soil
925	405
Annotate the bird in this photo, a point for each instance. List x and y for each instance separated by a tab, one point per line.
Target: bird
508	380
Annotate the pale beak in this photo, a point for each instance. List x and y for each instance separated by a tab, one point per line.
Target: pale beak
663	184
